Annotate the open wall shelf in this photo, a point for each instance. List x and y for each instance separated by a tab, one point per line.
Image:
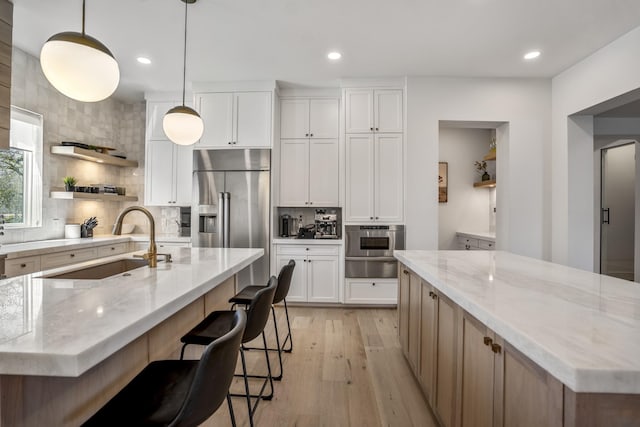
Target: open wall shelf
59	193
485	184
92	156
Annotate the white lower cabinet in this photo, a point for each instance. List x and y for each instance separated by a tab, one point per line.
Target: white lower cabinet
316	276
472	244
371	291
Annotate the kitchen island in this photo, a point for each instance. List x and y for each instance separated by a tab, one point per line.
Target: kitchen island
67	346
497	339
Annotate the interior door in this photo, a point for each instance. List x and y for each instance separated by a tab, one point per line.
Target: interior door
249	220
617	229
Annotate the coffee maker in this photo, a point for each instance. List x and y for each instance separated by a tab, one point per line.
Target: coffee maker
326	225
286	226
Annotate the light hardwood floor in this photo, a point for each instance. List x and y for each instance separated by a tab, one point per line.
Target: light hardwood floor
346	369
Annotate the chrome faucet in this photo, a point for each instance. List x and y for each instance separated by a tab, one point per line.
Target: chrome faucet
152	253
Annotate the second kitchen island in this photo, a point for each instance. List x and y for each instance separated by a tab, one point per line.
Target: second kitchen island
67	346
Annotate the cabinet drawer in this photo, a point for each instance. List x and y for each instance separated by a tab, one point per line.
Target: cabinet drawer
68	257
371	291
18	266
486	244
307	250
115	249
467	243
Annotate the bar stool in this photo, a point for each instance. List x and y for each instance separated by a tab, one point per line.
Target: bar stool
284	282
218	323
178	392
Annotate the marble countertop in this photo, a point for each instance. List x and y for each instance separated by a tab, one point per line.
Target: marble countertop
296	241
484	235
62	327
581	327
39	247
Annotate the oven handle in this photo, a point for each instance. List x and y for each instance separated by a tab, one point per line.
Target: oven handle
370	258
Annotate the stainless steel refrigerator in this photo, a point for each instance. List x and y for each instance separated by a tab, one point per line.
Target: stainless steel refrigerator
231	205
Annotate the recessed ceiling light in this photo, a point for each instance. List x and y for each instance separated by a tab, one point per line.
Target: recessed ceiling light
532	55
143	60
334	56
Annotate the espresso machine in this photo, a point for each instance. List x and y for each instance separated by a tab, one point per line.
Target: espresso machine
326	225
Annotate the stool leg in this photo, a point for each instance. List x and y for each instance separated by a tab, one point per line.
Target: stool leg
246	387
270	378
182	351
275	324
289	336
231	413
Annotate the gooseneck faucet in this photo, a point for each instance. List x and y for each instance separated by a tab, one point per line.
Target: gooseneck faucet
152	253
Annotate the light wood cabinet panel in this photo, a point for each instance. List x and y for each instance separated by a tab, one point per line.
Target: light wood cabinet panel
59	259
19	266
403	308
415	298
476	375
428	328
110	250
446	352
527	395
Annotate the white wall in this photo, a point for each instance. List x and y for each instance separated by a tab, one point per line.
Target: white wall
467	208
610	72
522	200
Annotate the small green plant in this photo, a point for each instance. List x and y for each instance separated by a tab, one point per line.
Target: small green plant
69	183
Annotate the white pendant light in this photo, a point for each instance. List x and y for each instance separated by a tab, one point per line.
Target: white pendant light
181	124
80	66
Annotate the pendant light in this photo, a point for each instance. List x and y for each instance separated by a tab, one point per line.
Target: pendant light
181	124
80	66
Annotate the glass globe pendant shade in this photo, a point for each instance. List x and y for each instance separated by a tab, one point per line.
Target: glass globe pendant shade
183	125
80	66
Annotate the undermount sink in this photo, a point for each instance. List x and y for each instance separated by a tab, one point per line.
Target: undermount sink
101	271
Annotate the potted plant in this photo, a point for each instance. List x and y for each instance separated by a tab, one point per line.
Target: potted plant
481	167
69	183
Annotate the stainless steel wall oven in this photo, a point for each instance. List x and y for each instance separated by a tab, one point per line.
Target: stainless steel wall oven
369	250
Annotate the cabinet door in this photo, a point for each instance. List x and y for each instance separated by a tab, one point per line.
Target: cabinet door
389	194
159	176
445	396
294	118
298	287
359	111
359	178
252	119
477	373
415	300
526	395
323	118
216	110
155	115
324	172
428	341
183	183
294	172
403	308
388	110
322	277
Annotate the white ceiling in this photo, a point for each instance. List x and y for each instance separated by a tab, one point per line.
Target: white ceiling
288	40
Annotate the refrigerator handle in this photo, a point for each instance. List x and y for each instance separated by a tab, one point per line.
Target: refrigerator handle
226	219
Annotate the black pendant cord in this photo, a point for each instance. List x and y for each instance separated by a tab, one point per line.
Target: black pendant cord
184	59
83	6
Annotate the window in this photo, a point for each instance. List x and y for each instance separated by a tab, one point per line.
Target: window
21	171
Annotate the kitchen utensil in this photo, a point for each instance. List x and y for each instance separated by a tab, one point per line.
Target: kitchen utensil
307	232
285	225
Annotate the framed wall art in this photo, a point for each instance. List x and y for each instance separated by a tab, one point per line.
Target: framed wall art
443	181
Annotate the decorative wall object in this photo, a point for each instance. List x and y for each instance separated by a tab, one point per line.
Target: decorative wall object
443	170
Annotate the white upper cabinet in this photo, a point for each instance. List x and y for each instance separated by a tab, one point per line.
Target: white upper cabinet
309	118
309	152
389	194
155	114
359	178
235	119
373	110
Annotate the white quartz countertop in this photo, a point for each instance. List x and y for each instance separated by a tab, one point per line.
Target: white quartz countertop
39	247
295	241
581	327
62	327
484	235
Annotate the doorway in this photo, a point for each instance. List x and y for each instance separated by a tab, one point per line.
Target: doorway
617	210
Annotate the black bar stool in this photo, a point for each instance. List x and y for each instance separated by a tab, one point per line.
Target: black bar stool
218	323
284	282
178	392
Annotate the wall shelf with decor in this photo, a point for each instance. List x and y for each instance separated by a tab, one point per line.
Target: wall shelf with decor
60	193
490	183
490	156
92	156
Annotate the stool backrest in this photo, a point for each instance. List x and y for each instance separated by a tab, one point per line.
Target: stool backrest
213	376
284	281
259	309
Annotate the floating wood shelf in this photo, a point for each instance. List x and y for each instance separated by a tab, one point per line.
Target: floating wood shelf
485	184
59	193
490	156
92	156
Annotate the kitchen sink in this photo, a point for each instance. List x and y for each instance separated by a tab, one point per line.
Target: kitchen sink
101	271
